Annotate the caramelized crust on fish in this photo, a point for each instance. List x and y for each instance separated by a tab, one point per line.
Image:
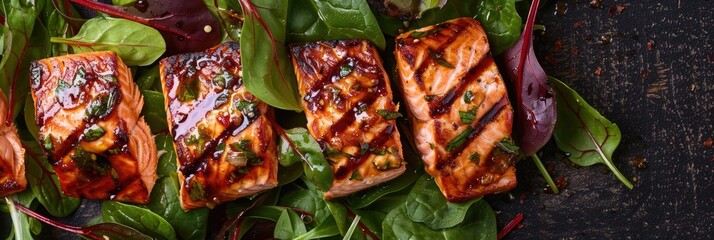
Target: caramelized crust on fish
12	155
225	145
459	108
349	108
87	107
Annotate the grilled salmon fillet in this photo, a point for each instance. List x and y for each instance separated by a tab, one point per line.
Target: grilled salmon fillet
225	145
348	103
87	108
458	107
12	155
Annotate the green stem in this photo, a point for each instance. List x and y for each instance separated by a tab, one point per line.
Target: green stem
545	173
614	170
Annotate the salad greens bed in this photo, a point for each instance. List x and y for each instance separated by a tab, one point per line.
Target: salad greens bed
408	207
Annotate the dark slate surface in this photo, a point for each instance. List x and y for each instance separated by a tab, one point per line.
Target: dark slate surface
661	97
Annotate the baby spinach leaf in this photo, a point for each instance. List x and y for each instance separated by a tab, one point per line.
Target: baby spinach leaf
318	20
229	18
582	132
366	197
339	212
425	204
308	200
267	72
289	225
153	111
326	229
134	43
165	202
20	19
289	174
44	181
501	22
452	9
317	169
148	78
138	218
167	159
480	223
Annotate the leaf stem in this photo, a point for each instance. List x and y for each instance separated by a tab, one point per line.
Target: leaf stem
614	169
545	173
56	224
512	224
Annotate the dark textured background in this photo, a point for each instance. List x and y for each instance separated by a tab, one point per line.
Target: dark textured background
661	97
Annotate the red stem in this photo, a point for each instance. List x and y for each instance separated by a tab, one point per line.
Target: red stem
284	136
239	218
525	48
362	226
512	224
117	12
11	107
68	228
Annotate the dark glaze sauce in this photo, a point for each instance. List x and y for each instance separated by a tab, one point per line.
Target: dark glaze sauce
321	67
410	47
90	86
442	104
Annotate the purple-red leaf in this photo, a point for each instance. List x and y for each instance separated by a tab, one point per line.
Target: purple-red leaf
535	103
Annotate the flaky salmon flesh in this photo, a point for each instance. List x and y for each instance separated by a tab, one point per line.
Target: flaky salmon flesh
87	108
225	145
348	103
12	154
459	108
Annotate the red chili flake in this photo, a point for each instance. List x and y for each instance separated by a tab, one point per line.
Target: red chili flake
558	45
645	74
621	7
522	197
598	70
561	182
579	23
650	45
512	224
596	4
611	11
575	51
520	226
708	142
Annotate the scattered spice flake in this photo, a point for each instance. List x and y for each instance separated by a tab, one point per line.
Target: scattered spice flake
644	74
639	162
575	51
611	11
710	58
579	23
650	45
635	179
654	89
560	183
596	4
522	197
561	7
606	38
598	71
512	224
558	45
708	142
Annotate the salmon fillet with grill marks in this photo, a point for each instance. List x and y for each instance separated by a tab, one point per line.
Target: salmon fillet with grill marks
12	155
349	108
87	107
458	104
225	145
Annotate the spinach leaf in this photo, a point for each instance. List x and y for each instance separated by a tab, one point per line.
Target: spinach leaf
43	181
148	78
317	169
229	17
165	202
427	205
138	218
317	20
289	174
289	225
267	72
326	229
366	197
153	111
452	9
481	224
339	212
501	22
582	132
310	201
122	2
21	46
29	113
110	230
20	221
353	226
167	157
134	43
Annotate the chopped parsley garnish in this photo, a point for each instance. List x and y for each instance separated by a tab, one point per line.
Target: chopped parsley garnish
196	192
439	59
418	34
459	140
250	109
243	146
189	91
346	69
468	116
356	176
475	158
389	115
90	162
79	79
428	98
47	143
222	79
468	96
102	105
508	145
93	133
109	78
363	148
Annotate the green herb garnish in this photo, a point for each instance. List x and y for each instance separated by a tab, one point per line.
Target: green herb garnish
346	69
468	116
389	115
93	133
468	96
439	59
508	145
460	139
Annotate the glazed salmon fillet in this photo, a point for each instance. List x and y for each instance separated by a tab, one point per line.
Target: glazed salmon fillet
225	145
348	103
458	107
87	108
12	155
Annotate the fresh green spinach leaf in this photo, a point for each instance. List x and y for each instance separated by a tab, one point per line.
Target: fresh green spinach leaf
167	155
138	218
583	132
317	169
134	43
154	111
452	9
20	221
166	203
148	78
326	229
267	71
366	197
427	205
289	225
310	201
319	20
481	224
501	22
229	17
339	212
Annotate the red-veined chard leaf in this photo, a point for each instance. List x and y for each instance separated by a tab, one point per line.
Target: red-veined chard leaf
20	16
20	222
535	106
583	133
317	20
267	71
229	18
452	9
186	25
134	43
